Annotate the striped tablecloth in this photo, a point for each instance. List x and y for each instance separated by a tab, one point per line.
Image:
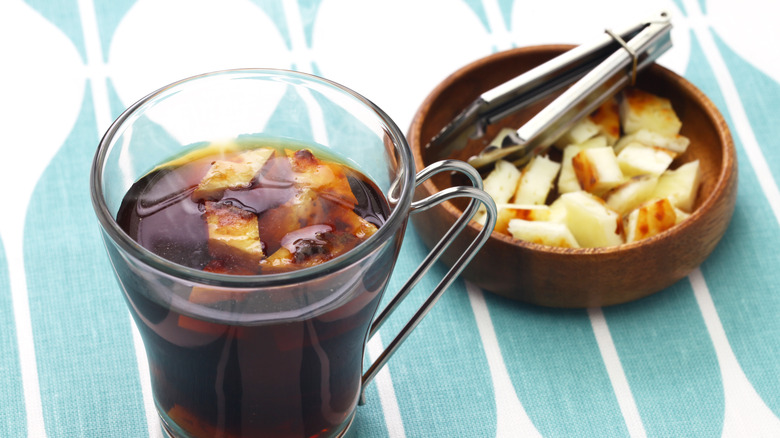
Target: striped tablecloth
699	359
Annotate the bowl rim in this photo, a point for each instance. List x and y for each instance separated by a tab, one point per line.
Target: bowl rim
726	172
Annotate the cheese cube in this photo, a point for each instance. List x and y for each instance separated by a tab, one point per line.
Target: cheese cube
680	215
567	179
501	182
607	118
507	212
631	194
638	159
643	110
597	169
581	132
536	181
237	173
590	221
651	218
680	185
233	233
543	233
677	143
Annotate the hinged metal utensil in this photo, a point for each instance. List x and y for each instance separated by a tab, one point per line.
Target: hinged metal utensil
600	69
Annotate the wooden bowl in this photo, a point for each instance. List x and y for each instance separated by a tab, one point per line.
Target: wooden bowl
581	277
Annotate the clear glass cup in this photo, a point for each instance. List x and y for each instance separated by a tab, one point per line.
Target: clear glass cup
278	355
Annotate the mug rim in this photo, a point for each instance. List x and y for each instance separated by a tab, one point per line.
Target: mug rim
397	218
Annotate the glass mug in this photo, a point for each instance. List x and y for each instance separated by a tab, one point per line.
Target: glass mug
277	355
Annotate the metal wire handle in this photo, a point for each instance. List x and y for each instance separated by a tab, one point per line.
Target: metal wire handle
476	194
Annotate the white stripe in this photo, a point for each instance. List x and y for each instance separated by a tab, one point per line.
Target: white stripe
511	418
152	419
95	66
96	71
499	34
741	122
24	336
745	414
616	374
316	118
384	385
301	55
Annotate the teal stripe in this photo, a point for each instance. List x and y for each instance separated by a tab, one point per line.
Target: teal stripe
441	379
557	369
670	363
12	408
668	331
86	361
369	419
748	304
760	96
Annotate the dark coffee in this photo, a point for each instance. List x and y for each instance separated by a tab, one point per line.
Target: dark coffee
256	212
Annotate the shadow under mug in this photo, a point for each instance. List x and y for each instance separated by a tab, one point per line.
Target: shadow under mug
277	355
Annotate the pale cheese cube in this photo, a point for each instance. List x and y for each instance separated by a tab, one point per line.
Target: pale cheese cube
597	169
557	212
527	212
507	212
649	219
233	233
680	185
582	131
677	143
643	110
543	233
237	173
631	193
567	179
503	216
638	159
590	221
501	182
536	181
607	118
680	215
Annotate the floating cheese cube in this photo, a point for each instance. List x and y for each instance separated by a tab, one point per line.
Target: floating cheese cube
590	221
536	181
649	219
680	185
643	110
543	233
232	233
676	143
237	173
597	169
567	179
631	194
638	159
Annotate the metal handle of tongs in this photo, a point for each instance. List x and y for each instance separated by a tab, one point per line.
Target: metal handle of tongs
618	70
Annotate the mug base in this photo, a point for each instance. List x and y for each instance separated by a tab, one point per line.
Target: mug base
170	431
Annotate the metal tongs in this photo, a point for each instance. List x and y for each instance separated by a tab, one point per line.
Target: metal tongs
600	69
